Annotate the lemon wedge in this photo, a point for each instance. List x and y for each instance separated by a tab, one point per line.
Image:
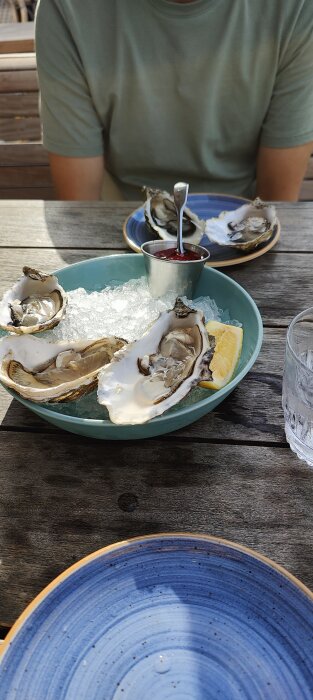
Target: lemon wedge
228	345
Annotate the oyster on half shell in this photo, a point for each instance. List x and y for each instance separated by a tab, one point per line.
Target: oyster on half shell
244	228
152	374
53	372
35	303
161	217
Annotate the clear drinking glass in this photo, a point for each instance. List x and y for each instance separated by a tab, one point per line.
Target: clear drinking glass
297	397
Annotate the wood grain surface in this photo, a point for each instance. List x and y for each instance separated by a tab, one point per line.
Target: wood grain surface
38	175
20	128
32	193
17	61
18	81
17	36
19	104
56	224
230	474
23	154
64	498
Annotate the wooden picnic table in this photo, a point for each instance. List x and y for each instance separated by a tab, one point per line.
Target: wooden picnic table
231	474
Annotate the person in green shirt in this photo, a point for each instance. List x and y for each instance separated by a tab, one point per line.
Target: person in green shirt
218	93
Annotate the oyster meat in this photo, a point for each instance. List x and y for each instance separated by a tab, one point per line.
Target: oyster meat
35	303
244	228
152	374
53	372
161	217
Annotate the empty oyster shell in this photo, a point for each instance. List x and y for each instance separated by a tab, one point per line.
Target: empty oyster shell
53	372
35	303
154	373
161	217
244	228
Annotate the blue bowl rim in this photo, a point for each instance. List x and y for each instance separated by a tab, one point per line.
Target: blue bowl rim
76	420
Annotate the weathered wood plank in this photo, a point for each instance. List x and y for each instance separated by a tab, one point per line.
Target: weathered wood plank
18	81
280	284
59	221
62	224
17	37
252	413
23	154
20	129
18	61
306	192
68	492
19	104
296	227
25	176
29	193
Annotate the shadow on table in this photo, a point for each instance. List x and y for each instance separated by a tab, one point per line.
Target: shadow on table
64	496
83	230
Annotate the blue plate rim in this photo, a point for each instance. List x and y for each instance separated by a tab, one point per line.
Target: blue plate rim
245	257
122	545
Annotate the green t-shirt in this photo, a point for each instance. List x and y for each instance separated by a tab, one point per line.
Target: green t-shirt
170	91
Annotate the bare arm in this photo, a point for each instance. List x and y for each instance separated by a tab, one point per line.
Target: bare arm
280	172
82	179
77	178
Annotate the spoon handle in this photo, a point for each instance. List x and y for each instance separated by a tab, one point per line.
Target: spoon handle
180	198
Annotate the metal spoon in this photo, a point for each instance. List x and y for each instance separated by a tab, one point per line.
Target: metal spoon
180	198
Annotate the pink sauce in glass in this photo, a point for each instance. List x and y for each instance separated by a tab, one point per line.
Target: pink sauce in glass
173	254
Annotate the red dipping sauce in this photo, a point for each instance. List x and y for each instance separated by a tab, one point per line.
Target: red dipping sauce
173	254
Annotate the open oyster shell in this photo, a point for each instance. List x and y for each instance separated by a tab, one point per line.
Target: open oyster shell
152	374
244	228
53	372
161	217
35	303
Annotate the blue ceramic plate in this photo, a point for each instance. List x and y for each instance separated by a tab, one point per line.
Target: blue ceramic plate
205	206
94	275
164	617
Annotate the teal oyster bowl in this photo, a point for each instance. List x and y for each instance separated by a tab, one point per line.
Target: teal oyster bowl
84	417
